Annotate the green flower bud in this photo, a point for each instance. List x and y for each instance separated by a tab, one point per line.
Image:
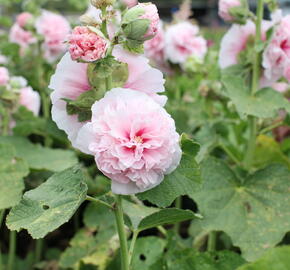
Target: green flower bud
102	3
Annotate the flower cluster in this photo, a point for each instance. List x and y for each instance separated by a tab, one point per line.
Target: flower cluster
106	98
49	29
23	93
176	44
238	42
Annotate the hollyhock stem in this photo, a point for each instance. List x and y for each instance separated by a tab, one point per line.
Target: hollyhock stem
38	250
211	242
12	249
133	241
255	84
5	123
122	233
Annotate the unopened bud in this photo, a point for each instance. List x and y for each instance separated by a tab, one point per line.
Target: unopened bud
102	3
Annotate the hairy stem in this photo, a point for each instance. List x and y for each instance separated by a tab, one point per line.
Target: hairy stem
122	233
38	250
133	241
255	85
12	250
211	242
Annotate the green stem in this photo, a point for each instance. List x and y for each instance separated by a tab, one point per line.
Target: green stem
133	241
12	250
269	128
255	84
122	233
91	199
211	242
38	250
2	212
5	123
108	83
178	204
229	153
162	230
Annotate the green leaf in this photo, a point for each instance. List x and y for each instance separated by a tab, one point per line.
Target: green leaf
44	209
148	250
264	104
268	151
97	215
39	157
183	181
166	216
143	217
274	259
254	211
188	259
12	171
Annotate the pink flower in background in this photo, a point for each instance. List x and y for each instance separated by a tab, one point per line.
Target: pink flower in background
281	87
276	57
235	41
4	76
30	99
182	41
23	18
225	6
21	37
154	48
133	139
86	45
70	80
130	3
54	28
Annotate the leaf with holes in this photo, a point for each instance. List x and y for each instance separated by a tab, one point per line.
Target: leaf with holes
50	205
264	104
274	259
39	157
183	181
12	171
254	211
148	250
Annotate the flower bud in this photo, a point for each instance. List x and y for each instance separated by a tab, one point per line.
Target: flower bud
87	44
140	23
102	3
233	11
24	18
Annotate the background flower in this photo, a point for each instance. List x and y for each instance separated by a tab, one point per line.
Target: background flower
225	6
4	76
182	40
30	99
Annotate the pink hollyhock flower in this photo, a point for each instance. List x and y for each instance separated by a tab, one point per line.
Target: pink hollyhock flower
65	83
281	87
225	6
235	41
30	99
21	37
133	139
54	28
87	45
276	57
154	48
4	76
182	41
129	3
151	13
23	18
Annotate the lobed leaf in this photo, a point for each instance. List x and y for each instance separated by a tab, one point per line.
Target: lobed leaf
50	205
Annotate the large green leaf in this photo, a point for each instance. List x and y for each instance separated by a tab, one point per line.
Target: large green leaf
147	251
183	181
274	259
50	205
12	171
254	211
143	217
188	259
39	157
264	104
